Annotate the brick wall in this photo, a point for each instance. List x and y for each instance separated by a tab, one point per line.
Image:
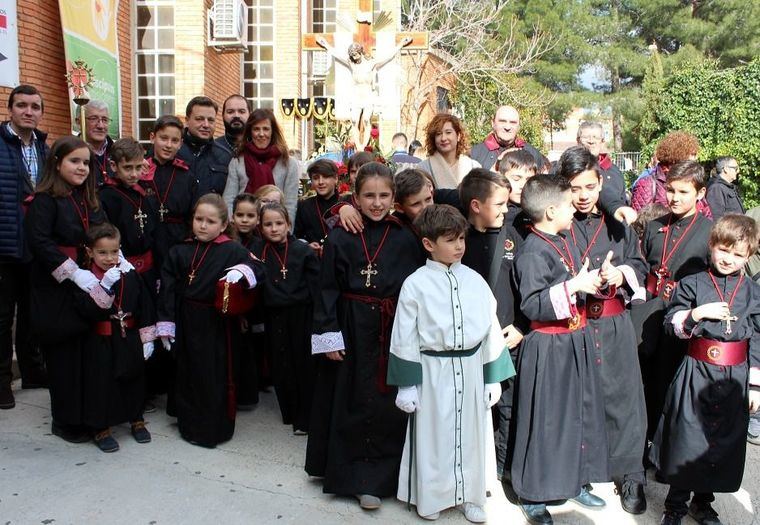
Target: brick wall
41	61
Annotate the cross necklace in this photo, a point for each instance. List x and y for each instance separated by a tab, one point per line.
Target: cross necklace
370	270
730	317
282	260
193	266
139	216
162	209
120	315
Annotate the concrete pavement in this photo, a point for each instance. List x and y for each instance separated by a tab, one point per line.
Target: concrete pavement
256	478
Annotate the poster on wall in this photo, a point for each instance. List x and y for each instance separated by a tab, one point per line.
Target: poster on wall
89	35
8	44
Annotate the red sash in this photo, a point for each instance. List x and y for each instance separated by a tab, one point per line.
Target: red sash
718	352
597	308
142	262
558	327
106	327
69	251
667	287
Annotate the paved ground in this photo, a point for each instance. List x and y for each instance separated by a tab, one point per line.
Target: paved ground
257	478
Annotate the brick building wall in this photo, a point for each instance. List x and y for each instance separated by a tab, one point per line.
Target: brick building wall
41	63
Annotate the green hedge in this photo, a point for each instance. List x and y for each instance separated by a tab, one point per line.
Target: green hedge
722	108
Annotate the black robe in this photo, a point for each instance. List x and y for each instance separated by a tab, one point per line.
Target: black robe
57	322
518	219
310	222
113	389
288	309
615	349
560	441
175	226
660	354
204	396
121	205
357	434
700	443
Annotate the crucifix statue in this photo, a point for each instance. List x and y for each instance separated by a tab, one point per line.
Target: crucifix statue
362	65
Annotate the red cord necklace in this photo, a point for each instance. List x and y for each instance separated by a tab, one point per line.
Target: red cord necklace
282	260
162	209
662	271
139	216
730	318
370	270
565	258
193	266
591	242
83	213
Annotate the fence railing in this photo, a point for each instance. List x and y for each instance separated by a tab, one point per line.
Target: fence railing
627	161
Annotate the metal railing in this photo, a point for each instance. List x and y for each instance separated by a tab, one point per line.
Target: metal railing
627	160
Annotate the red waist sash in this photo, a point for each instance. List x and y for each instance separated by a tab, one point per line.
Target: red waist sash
597	308
106	327
559	327
718	352
666	286
387	307
142	262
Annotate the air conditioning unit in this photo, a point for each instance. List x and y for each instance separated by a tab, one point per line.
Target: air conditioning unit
228	25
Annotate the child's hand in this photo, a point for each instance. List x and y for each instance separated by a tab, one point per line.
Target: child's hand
512	336
408	399
110	278
167	341
317	247
626	214
233	276
585	281
715	311
754	400
148	349
491	394
609	273
335	356
351	219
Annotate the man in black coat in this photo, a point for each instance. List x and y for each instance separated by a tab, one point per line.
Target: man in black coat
505	126
722	191
22	157
235	112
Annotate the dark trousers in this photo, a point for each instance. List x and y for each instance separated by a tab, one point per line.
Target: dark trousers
14	303
678	500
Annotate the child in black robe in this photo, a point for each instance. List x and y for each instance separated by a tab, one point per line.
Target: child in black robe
129	209
356	434
64	207
557	390
121	337
191	326
700	443
612	248
674	246
310	223
288	292
251	360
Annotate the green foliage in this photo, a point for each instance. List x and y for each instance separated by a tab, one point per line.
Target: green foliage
720	107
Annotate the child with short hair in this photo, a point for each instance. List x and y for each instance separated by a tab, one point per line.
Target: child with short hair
700	445
492	243
129	209
557	389
190	325
121	338
289	291
169	184
613	249
448	357
518	166
356	434
310	223
674	246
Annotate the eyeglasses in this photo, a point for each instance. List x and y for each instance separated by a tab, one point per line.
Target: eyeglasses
96	120
735	168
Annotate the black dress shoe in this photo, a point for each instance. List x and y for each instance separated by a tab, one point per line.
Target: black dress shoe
704	514
70	433
588	500
35	380
632	497
536	513
670	518
7	401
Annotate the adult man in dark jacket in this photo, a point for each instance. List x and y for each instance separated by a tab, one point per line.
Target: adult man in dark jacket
209	162
503	137
591	136
22	157
722	191
97	122
235	112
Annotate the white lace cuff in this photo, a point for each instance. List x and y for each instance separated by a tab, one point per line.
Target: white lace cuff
165	328
327	342
148	333
65	270
250	277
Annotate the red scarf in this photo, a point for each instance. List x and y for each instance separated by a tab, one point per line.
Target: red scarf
259	164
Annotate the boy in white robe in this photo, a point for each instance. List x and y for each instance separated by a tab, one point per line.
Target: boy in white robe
448	357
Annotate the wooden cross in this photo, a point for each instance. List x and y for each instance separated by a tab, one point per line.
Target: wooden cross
364	34
140	218
369	271
121	317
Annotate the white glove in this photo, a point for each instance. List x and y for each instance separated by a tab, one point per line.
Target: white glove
407	399
148	349
492	394
167	341
110	278
124	265
233	276
84	279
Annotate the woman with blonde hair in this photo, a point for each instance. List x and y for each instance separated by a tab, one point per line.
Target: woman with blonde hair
446	142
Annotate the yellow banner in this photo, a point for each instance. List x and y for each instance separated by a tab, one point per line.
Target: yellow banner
91	20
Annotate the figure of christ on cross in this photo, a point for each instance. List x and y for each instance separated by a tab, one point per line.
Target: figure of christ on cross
363	72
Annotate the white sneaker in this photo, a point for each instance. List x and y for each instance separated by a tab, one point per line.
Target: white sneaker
473	513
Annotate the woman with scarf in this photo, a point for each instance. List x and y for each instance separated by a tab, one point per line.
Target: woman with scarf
262	158
446	142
